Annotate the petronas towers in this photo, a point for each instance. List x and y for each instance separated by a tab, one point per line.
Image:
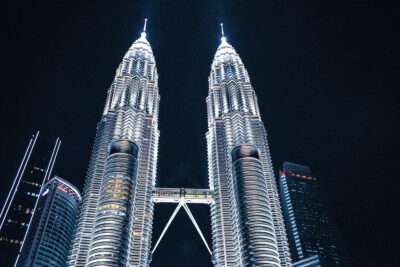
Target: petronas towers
116	217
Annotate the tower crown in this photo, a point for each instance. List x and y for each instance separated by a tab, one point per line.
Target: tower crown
141	45
135	82
139	59
225	52
227	64
230	90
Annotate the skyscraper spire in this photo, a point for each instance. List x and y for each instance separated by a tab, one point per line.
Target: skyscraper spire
143	34
145	25
223	38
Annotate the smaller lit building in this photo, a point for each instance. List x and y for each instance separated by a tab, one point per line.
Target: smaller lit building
49	239
311	234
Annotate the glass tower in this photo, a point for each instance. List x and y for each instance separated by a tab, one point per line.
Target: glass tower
48	242
311	234
240	171
114	185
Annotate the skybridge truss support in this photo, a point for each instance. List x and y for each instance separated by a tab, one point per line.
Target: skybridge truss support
182	196
189	213
178	207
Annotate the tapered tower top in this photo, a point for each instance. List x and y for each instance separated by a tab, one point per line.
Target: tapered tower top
226	62
142	44
225	50
138	63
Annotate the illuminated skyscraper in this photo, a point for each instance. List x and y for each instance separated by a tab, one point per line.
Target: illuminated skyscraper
121	176
247	223
49	238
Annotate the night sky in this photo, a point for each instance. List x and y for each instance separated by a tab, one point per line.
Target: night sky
325	72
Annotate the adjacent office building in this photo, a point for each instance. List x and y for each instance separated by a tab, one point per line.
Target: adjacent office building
49	239
238	149
16	213
311	234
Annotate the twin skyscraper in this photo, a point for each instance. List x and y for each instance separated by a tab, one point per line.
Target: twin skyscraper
116	217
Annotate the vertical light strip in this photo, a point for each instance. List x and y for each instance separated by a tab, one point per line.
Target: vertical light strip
49	165
54	158
36	202
19	179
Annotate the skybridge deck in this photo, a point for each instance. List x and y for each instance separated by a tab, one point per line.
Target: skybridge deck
189	195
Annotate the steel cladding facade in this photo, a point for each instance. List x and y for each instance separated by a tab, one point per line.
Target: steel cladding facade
110	237
233	120
130	114
256	221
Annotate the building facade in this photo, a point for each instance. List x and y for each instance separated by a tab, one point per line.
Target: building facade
110	239
18	208
130	116
311	234
235	125
312	261
49	240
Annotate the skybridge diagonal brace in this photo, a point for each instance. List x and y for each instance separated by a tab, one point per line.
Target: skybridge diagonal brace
178	207
189	213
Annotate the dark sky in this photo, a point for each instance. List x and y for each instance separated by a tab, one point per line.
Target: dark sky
325	72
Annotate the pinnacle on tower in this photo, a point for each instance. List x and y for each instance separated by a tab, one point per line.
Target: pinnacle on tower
223	38
143	34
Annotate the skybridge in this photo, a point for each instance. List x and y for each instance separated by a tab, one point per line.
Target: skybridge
189	195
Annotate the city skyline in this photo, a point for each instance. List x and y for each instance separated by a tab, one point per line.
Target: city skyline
308	71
